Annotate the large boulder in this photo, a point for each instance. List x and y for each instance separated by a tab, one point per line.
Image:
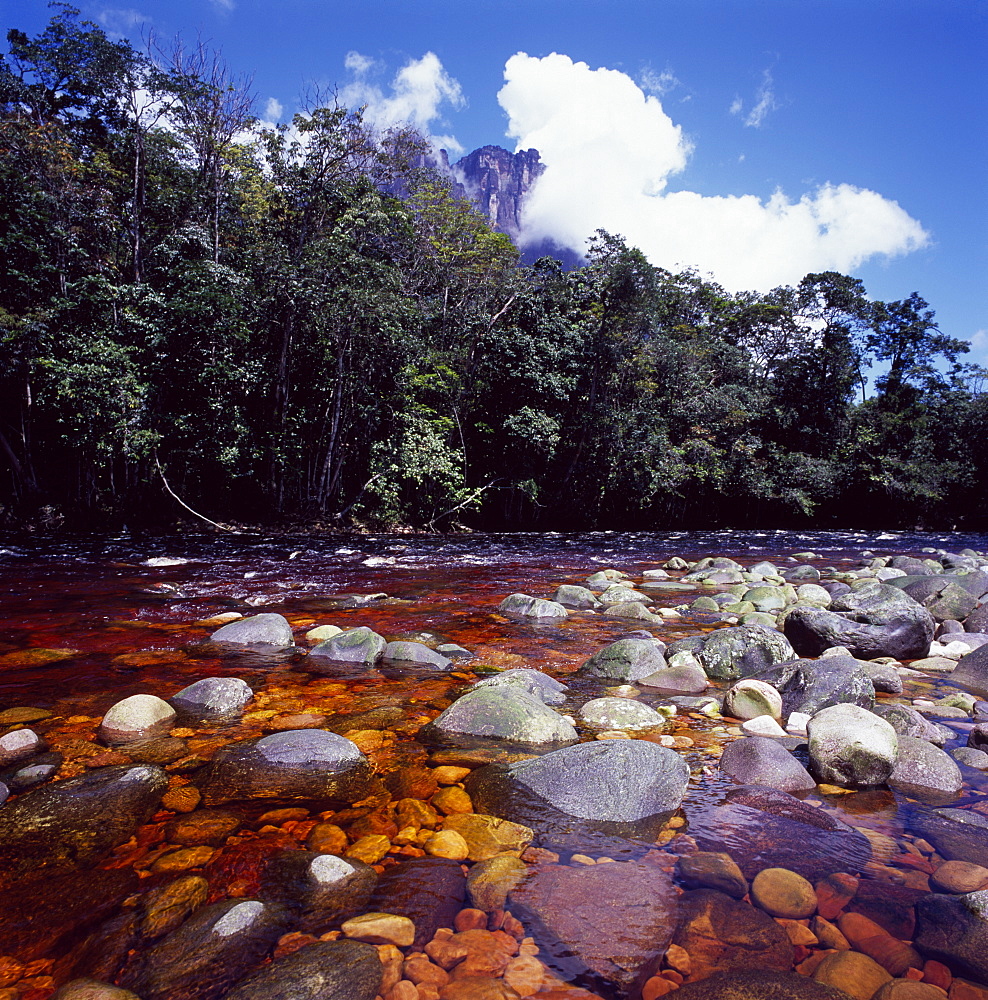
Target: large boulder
209	952
971	671
851	746
873	620
758	984
299	764
620	713
221	697
264	631
415	654
923	768
906	721
945	597
954	930
626	660
810	685
504	712
75	823
766	828
547	689
575	597
324	970
531	607
603	793
760	760
727	654
570	912
356	645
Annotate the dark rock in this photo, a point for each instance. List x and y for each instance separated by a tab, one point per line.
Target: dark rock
743	651
202	827
32	772
954	930
810	685
324	970
971	672
429	891
213	696
74	823
922	767
356	645
884	677
547	689
166	907
978	736
38	922
722	934
957	834
504	712
324	888
268	630
764	828
606	793
415	653
760	760
712	870
570	913
977	620
208	953
759	985
626	660
299	764
874	620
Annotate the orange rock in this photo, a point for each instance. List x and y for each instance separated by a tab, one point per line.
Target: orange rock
392	962
327	838
290	943
672	975
524	975
421	970
452	799
369	849
937	974
478	988
833	893
10	970
446	953
485	955
448	774
656	987
961	989
469	919
427	991
402	990
809	966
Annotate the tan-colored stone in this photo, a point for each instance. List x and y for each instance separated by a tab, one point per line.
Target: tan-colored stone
883	848
420	970
392	964
852	972
416	813
183	799
490	881
183	859
829	935
678	958
834	893
524	975
402	990
798	933
369	849
486	954
446	952
959	877
380	928
470	919
452	799
478	988
488	836
23	714
327	838
166	907
656	987
908	989
961	989
783	893
448	774
10	970
447	844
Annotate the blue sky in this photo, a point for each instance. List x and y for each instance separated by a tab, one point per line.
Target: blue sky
753	139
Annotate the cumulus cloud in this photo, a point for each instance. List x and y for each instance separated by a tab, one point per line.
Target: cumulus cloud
979	346
120	23
273	109
658	83
419	95
610	151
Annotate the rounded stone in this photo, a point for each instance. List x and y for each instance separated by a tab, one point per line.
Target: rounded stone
852	747
138	716
213	696
959	877
447	844
258	630
856	974
757	984
380	928
620	713
626	660
92	989
356	645
909	989
750	698
782	893
531	607
506	712
761	760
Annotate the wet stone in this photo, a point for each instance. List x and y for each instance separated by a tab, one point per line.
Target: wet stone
712	870
429	891
954	930
356	645
489	882
265	630
204	827
538	684
761	760
531	607
140	715
782	893
92	989
165	908
183	799
506	712
19	745
852	972
758	985
626	660
380	928
213	696
417	654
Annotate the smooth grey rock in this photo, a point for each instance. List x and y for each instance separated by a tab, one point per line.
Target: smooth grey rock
906	721
634	610
712	870
415	653
977	620
977	759
971	671
4	793
750	698
883	676
682	678
743	651
258	630
531	607
324	970
139	716
356	645
626	660
209	952
954	930
547	689
811	685
851	746
505	712
620	594
603	792
299	764
75	823
19	745
323	888
213	696
620	713
454	651
924	767
761	760
575	597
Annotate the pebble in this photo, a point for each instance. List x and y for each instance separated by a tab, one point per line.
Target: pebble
763	725
478	988
327	838
452	799
829	935
782	893
959	877
380	928
22	715
164	908
369	849
183	859
524	975
447	774
852	972
909	989
447	844
834	893
183	799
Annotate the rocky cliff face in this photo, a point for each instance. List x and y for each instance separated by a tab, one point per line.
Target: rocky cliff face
497	182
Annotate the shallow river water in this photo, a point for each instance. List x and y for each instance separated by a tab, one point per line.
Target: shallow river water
86	622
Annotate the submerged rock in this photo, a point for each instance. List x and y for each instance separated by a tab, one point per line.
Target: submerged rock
761	760
429	891
626	660
505	712
269	630
531	607
922	767
213	696
415	653
954	929
547	689
356	645
300	764
759	984
957	834
136	717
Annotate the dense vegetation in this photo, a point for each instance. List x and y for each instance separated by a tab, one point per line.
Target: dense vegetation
302	324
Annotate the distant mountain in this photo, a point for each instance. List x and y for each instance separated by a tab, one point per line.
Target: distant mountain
497	182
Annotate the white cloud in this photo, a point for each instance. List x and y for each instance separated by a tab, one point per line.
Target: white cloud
121	23
737	106
419	94
358	64
765	103
658	83
273	110
609	152
979	346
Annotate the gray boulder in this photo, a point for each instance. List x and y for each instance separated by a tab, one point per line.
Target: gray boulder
531	607
18	745
851	746
267	630
977	620
874	620
957	834
416	653
504	712
299	764
681	678
954	930
942	596
575	597
209	952
923	767
539	685
728	654
906	721
626	660
811	685
968	756
620	713
324	970
75	823
213	696
602	795
971	671
138	717
356	645
760	760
